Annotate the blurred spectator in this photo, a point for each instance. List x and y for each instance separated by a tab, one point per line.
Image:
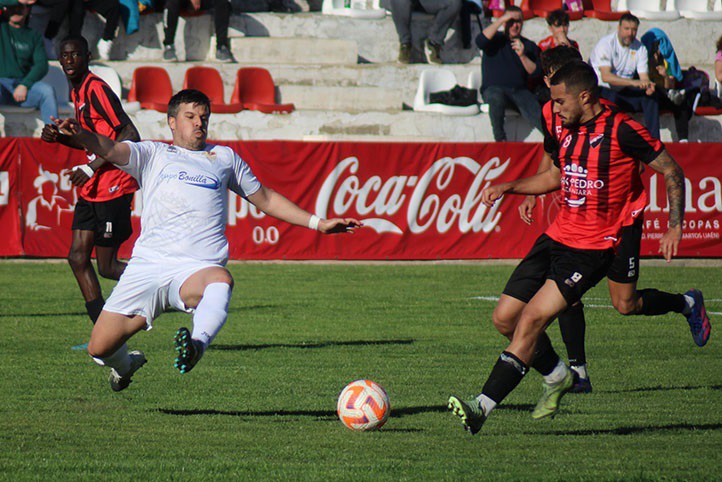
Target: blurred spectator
558	25
45	18
718	64
665	72
620	57
108	9
445	13
221	17
508	62
23	63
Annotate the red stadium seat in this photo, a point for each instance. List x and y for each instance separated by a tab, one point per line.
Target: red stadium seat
542	8
601	10
151	87
208	80
256	91
525	11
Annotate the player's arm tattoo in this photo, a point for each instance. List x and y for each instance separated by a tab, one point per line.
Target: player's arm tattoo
674	181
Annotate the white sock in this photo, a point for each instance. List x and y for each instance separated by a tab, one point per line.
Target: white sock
120	361
486	404
581	370
557	375
688	305
211	313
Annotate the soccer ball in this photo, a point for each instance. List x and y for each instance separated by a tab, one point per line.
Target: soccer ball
363	405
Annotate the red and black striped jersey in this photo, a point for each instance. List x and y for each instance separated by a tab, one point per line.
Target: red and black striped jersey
98	109
600	183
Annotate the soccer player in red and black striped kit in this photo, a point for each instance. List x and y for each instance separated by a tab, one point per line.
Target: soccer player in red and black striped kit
102	213
623	274
597	166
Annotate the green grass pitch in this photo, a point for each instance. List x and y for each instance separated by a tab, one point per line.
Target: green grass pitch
261	404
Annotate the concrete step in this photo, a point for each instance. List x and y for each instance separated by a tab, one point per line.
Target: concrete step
376	39
344	99
267	50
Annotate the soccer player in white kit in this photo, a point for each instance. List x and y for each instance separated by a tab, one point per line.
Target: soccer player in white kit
178	260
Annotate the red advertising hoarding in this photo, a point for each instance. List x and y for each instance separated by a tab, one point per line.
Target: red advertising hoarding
417	201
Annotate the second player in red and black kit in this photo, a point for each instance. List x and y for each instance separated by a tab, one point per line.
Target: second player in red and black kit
102	213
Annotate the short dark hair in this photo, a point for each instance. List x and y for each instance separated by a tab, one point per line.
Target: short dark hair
513	8
555	58
628	17
558	17
188	96
719	43
577	76
76	38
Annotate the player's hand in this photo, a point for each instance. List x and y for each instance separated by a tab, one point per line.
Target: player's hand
490	195
78	177
68	127
195	5
506	17
669	243
338	225
50	133
20	93
526	209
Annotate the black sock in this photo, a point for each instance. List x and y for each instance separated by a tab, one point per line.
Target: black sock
545	358
655	302
572	326
504	377
94	308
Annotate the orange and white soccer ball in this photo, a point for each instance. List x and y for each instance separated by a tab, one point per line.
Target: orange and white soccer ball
363	405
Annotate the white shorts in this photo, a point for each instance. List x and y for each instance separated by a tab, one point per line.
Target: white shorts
149	288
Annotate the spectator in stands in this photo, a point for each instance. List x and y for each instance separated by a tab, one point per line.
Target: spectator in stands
45	18
444	12
718	64
108	9
619	58
508	62
558	25
666	73
23	64
221	16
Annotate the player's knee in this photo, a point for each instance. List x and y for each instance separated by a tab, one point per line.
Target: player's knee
97	350
625	307
503	324
77	259
221	276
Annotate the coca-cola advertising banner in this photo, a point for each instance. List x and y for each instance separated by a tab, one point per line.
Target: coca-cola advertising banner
417	201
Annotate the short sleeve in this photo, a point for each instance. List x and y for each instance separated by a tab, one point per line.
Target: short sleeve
242	182
551	144
602	54
142	156
642	60
635	141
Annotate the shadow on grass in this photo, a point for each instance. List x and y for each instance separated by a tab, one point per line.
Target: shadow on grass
660	388
638	430
322	414
322	344
34	315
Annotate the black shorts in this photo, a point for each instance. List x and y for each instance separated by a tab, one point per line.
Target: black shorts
575	271
109	220
625	267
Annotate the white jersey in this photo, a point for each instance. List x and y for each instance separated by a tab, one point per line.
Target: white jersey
185	199
624	61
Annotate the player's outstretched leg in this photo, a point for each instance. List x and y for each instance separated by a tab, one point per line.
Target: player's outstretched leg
697	318
120	381
470	412
189	351
548	404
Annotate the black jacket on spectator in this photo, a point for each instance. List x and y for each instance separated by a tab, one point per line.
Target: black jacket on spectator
500	65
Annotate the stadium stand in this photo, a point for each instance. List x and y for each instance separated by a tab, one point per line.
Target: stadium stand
650	9
601	10
341	74
698	10
439	80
